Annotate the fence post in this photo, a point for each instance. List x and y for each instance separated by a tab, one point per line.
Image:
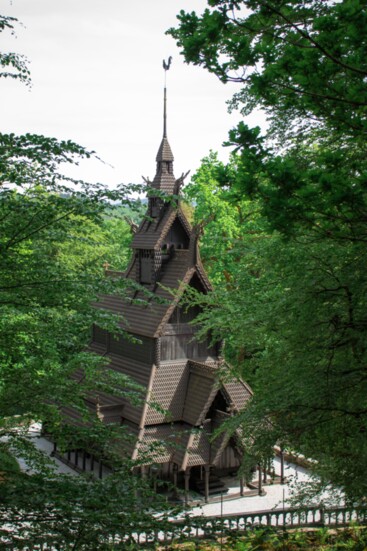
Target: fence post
322	515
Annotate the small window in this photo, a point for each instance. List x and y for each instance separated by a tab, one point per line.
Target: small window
146	264
155	211
154	207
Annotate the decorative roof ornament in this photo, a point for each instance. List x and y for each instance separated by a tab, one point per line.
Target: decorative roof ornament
167	65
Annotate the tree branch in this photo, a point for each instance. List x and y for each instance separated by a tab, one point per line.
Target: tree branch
314	42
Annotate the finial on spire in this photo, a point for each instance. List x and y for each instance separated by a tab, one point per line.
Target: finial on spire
166	67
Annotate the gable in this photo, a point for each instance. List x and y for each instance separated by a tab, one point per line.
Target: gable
198	283
176	236
170	227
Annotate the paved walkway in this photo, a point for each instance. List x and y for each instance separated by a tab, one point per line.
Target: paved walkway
275	498
47	447
276	494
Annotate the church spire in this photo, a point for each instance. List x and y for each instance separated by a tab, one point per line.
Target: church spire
166	67
164	179
165	113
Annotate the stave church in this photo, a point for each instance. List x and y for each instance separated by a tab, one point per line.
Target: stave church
184	376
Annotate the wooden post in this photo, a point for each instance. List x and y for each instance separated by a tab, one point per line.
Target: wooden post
207	473
69	455
241	486
187	485
175	473
84	460
260	486
175	478
54	450
282	477
154	470
76	458
91	462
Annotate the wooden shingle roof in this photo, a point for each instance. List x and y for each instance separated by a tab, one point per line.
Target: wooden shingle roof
198	448
238	393
169	391
151	233
164	151
179	443
139	373
156	444
201	390
164	181
149	318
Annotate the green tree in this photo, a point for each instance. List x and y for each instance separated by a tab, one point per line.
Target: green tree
56	234
119	223
304	65
224	218
293	324
232	226
297	306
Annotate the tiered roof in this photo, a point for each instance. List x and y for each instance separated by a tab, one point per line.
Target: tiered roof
184	388
150	316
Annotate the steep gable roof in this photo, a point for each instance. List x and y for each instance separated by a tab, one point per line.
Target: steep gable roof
152	232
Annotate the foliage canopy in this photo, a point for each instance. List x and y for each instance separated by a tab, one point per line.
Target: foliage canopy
304	65
293	309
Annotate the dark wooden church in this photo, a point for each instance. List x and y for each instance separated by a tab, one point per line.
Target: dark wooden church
176	371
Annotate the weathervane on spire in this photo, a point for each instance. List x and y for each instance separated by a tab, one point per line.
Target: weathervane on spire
166	66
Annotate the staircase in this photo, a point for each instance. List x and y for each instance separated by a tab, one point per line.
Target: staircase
216	486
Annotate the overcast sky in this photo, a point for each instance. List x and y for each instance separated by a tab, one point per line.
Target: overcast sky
97	77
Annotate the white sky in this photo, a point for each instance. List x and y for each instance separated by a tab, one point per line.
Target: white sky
97	77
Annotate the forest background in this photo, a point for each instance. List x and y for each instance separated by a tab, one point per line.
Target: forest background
284	245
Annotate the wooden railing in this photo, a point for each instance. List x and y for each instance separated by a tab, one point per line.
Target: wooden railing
163	534
201	527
